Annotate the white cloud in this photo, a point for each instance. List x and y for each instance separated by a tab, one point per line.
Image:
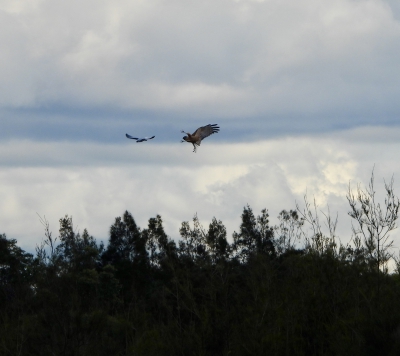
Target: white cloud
95	183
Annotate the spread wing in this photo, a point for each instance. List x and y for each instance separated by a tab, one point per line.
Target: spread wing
205	131
139	139
129	136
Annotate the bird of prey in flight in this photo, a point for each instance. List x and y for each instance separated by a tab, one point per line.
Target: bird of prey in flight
200	134
139	139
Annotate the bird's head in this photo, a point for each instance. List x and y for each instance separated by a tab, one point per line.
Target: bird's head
184	138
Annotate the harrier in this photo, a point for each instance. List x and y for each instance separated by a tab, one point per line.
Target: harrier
200	134
138	139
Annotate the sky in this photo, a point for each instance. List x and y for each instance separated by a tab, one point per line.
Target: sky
305	93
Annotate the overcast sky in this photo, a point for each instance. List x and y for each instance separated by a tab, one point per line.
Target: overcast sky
306	93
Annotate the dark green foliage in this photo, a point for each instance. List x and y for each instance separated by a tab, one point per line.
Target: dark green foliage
145	294
126	242
15	264
255	236
75	252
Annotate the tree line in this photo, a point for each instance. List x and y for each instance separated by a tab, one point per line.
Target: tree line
289	289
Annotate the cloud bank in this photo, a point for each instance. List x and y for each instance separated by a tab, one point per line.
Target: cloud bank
95	183
281	67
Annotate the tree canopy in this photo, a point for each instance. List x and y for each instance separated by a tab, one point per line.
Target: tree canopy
290	289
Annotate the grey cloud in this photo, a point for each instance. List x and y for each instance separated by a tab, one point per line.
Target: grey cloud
271	67
94	183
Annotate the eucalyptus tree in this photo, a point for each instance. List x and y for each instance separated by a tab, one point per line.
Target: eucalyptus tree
255	235
373	221
125	241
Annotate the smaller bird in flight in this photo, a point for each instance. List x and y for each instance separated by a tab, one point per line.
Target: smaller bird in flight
139	139
200	134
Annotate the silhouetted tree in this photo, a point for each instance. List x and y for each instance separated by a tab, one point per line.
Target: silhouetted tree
193	243
288	231
76	251
217	243
125	242
255	235
374	221
262	295
158	245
